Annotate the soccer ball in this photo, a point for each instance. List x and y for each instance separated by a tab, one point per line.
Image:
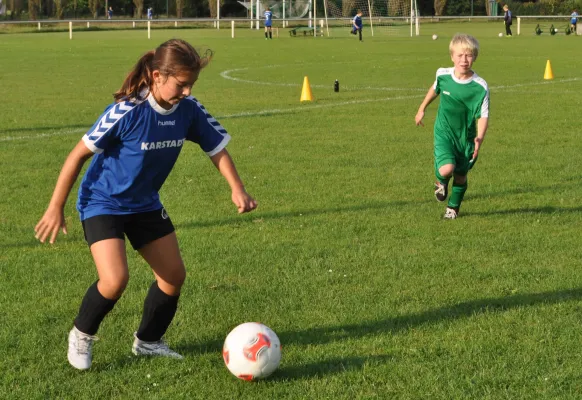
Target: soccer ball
434	37
252	351
500	34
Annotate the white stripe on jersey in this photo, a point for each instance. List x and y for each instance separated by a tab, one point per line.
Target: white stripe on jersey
108	121
214	124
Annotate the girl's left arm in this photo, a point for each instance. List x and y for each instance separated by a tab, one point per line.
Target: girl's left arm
223	162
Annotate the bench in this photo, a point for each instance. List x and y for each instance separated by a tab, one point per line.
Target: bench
307	31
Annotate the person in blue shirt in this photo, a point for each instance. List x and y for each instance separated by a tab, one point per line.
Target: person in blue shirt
573	21
134	145
150	12
110	13
507	20
268	23
357	24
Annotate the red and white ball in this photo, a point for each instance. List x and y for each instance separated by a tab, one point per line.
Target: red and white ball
252	351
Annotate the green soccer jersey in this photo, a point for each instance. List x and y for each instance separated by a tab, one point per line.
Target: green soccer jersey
461	104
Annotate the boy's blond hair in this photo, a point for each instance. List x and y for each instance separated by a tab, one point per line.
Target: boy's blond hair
464	42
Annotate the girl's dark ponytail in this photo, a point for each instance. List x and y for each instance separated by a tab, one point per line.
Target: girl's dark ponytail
138	79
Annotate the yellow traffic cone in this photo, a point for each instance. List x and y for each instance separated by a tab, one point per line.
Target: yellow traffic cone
548	74
306	94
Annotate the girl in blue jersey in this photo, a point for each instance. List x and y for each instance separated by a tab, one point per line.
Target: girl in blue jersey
134	145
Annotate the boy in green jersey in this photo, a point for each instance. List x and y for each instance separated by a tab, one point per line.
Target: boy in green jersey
461	121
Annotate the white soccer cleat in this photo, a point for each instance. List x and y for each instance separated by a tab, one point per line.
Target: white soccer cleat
451	213
80	347
159	348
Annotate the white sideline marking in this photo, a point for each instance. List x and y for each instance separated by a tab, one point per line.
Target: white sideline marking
43	135
292	109
315	106
226	75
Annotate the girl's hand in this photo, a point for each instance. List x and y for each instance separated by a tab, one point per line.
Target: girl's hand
243	201
419	117
49	225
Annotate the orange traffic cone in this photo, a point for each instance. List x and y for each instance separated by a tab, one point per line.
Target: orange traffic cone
306	94
548	74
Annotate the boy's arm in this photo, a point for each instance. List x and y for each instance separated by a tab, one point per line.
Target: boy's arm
430	96
482	125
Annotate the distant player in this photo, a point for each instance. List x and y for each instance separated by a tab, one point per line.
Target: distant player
268	23
135	144
461	122
507	20
357	24
574	21
110	13
150	13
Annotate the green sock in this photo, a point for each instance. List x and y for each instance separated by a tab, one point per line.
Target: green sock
457	195
442	179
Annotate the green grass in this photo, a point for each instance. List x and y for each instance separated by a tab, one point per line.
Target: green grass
346	258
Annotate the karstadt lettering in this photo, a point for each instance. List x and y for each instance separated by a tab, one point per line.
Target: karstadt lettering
161	145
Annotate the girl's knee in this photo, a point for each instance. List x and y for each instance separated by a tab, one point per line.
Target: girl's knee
113	287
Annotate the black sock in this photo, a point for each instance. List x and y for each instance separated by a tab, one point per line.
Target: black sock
270	35
94	308
158	311
265	35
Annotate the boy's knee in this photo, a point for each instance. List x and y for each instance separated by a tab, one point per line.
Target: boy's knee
460	179
446	170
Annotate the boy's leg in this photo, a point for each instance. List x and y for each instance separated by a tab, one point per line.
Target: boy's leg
266	33
270	33
444	165
360	33
464	165
458	192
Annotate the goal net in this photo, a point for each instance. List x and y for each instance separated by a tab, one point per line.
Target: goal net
380	17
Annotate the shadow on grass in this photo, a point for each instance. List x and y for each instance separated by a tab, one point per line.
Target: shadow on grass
327	367
365	206
525	210
393	325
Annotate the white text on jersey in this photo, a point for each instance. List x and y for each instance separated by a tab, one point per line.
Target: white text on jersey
161	145
166	123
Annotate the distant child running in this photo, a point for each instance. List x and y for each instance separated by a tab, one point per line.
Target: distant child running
134	145
461	122
110	13
357	24
268	23
150	13
573	21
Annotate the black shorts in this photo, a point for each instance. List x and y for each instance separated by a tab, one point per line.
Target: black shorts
140	229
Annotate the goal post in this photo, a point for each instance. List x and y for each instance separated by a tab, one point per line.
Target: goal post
381	17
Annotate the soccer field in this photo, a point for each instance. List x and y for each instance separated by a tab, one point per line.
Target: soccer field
347	258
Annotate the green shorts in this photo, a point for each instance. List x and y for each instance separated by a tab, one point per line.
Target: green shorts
447	151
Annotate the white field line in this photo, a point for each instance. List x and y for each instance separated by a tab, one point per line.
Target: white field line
226	75
44	135
306	107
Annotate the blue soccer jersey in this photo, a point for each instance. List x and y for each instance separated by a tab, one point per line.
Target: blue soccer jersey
574	18
136	144
268	18
358	21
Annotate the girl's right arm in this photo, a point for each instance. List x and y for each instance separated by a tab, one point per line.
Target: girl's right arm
54	218
430	96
